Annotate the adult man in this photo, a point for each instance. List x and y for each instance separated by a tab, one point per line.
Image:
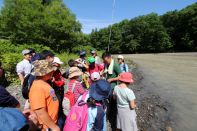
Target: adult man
24	67
43	100
112	71
97	58
47	55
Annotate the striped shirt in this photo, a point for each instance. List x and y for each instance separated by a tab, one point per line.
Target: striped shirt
78	89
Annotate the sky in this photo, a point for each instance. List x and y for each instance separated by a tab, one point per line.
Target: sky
98	13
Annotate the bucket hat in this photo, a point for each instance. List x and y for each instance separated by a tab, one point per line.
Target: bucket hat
42	68
126	77
74	71
100	90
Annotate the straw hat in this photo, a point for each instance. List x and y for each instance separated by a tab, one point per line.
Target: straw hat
74	71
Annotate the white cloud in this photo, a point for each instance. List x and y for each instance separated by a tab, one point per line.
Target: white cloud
89	24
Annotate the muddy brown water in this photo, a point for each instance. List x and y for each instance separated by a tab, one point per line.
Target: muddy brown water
173	76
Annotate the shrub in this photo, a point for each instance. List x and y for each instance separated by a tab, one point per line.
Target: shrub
65	57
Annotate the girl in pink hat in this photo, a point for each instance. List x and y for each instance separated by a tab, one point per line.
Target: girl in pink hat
126	117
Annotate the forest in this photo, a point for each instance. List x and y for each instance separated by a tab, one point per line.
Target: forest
50	23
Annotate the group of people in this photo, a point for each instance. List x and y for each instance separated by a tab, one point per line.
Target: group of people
89	93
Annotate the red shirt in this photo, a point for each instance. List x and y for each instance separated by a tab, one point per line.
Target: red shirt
78	89
97	68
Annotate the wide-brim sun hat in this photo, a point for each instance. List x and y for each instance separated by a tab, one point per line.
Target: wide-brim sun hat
126	77
120	57
74	71
57	60
100	90
42	68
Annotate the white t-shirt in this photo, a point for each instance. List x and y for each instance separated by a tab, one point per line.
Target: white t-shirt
123	96
24	67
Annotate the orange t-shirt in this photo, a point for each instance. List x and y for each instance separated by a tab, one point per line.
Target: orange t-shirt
42	95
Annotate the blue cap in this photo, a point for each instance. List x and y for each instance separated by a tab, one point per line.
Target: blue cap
12	119
100	90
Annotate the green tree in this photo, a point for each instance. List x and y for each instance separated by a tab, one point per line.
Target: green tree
30	21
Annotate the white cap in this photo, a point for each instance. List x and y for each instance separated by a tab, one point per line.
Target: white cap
26	51
57	60
120	57
95	76
93	51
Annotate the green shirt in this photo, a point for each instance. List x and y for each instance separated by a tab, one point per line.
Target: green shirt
116	72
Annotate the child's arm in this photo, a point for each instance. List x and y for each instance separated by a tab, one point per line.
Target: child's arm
133	104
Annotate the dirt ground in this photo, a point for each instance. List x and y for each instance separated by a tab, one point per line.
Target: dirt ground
167	91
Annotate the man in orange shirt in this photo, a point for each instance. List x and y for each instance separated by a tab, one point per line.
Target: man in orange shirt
43	100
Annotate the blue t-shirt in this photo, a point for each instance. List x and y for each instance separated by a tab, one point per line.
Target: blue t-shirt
124	67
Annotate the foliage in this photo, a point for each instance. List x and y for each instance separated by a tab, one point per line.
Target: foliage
65	57
29	21
173	31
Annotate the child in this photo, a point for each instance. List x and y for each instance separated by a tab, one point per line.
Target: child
126	117
89	113
98	93
71	63
74	74
95	77
58	86
93	67
124	67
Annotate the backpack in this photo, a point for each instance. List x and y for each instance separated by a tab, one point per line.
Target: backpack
27	85
77	118
68	100
124	67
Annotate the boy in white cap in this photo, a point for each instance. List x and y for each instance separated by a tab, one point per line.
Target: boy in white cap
123	66
58	85
24	67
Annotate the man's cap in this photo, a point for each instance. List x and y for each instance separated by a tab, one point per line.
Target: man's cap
57	60
26	51
120	57
93	52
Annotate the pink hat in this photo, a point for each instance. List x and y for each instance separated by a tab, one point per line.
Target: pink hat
126	77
